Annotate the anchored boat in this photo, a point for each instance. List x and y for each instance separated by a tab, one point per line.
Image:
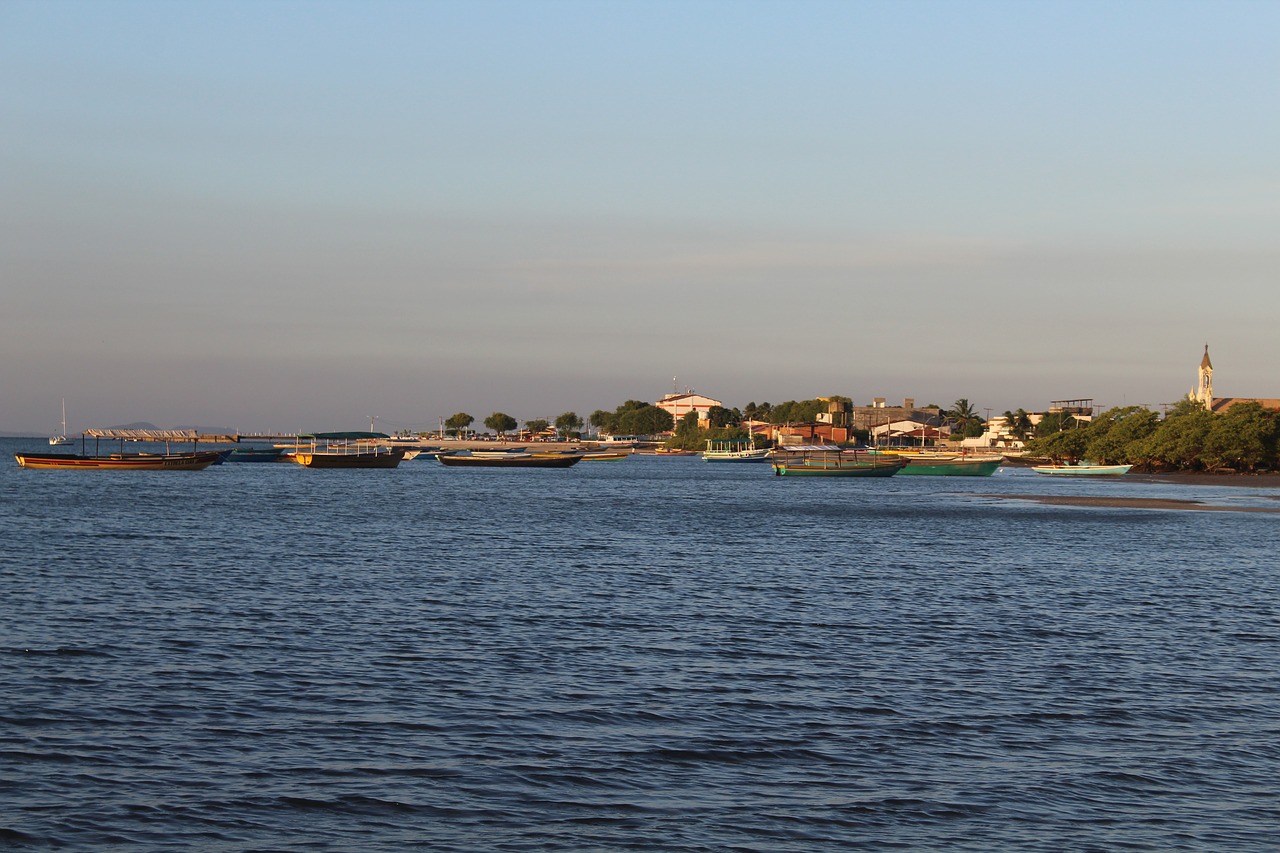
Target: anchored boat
121	461
345	450
463	459
719	450
195	461
61	437
1082	469
825	460
949	465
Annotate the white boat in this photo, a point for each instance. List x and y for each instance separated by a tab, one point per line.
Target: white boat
61	438
1083	469
735	451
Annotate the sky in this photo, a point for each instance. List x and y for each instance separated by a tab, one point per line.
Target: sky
300	216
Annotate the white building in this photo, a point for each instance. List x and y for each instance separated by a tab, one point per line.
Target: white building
680	405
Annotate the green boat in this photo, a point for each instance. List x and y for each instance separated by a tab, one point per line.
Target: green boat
926	465
824	460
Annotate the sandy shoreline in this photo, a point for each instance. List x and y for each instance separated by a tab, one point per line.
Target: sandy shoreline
1255	481
1134	503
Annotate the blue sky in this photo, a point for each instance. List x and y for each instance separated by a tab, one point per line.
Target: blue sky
297	216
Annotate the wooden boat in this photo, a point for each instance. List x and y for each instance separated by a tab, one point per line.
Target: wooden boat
345	450
604	456
194	461
949	465
734	451
331	457
255	454
462	459
824	460
1083	469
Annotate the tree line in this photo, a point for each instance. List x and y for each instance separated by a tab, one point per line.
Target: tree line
1245	437
637	417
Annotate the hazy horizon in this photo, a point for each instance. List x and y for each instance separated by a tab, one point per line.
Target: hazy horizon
298	216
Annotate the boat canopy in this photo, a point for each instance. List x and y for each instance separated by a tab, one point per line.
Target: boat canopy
144	434
345	436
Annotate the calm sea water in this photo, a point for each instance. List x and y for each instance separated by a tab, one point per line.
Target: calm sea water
656	655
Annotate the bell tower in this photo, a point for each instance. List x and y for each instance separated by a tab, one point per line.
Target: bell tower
1203	394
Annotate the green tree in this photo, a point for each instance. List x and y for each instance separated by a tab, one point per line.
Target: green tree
689	434
603	421
456	423
1068	445
501	423
719	416
1112	436
568	425
796	412
1242	438
536	426
1053	422
963	416
1179	439
1018	424
645	419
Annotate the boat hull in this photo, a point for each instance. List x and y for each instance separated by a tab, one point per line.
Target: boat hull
520	460
950	467
712	456
1082	470
256	454
120	461
848	469
363	459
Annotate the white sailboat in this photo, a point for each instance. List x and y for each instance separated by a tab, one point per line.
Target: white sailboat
61	438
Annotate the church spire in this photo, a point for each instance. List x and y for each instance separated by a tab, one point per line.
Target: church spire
1203	394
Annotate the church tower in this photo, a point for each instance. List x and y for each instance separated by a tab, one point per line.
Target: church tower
1203	394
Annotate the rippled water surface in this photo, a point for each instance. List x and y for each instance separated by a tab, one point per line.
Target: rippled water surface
656	654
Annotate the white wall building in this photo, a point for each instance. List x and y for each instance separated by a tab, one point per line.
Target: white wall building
680	405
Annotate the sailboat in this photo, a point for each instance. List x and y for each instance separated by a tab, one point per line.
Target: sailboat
61	438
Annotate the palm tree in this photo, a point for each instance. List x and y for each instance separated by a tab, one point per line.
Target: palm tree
962	413
1018	424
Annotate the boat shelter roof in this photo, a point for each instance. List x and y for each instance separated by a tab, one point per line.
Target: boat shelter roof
345	436
144	434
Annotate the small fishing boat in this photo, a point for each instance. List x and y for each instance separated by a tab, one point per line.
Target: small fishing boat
255	454
502	451
734	451
464	459
604	456
1083	469
194	461
949	465
345	450
825	460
